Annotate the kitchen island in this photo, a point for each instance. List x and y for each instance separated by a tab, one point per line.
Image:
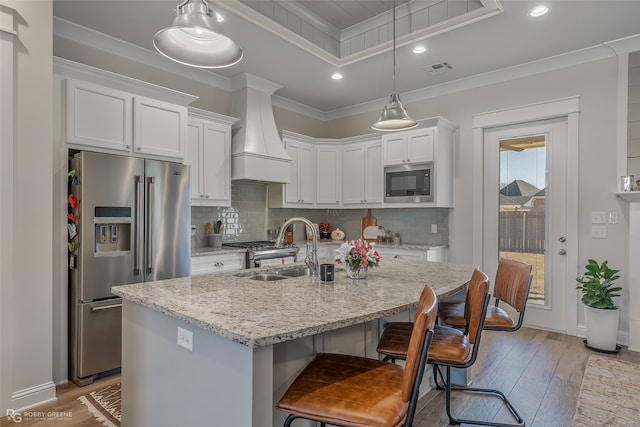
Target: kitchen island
250	338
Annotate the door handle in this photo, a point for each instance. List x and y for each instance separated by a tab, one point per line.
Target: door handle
562	252
137	244
150	202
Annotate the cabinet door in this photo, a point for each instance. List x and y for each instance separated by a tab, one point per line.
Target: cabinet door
291	196
193	157
353	174
98	116
420	146
159	128
394	147
216	164
306	175
373	174
328	173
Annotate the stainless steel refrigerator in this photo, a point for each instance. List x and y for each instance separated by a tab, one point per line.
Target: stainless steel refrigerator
132	219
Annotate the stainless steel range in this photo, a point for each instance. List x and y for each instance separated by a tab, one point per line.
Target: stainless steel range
262	253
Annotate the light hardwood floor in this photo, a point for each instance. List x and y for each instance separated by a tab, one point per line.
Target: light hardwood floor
540	371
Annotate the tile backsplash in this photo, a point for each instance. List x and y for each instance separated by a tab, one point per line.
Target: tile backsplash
248	218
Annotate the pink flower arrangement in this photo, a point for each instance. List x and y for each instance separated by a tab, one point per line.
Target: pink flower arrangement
357	254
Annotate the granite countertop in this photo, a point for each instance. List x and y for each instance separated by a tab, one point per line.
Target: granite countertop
403	246
255	313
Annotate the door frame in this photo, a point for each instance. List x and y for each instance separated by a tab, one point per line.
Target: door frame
565	107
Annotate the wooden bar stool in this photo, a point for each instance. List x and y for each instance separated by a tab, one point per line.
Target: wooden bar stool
512	284
357	391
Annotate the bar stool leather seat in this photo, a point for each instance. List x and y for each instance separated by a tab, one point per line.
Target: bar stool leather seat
347	390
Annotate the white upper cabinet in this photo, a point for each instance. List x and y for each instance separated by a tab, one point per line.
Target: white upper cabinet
328	175
159	128
115	114
208	152
300	192
431	142
362	174
414	146
99	117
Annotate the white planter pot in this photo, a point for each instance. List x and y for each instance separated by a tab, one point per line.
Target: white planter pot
602	328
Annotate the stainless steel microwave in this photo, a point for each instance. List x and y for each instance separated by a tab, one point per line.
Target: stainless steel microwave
408	183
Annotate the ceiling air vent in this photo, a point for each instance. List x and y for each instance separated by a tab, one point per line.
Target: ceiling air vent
440	68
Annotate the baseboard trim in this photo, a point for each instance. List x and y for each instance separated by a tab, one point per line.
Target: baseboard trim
33	396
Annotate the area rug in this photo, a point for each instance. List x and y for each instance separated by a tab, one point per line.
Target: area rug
609	393
104	404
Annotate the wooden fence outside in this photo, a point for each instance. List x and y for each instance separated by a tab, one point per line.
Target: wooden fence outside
522	231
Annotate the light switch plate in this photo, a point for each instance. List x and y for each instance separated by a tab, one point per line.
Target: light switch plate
599	231
598	217
434	228
613	217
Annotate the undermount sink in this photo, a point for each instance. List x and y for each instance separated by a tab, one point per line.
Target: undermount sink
266	277
294	272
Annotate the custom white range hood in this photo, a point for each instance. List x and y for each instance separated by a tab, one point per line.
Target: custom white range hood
257	152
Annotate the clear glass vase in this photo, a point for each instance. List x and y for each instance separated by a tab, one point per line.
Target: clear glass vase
357	273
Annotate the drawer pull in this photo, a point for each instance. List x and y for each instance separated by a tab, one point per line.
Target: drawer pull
218	264
106	307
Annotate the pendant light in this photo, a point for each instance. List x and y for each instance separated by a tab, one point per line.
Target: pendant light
196	38
394	116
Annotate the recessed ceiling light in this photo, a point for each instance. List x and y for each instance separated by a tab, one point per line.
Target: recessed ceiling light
419	49
538	11
336	76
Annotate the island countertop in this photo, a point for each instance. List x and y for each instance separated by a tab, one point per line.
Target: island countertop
256	313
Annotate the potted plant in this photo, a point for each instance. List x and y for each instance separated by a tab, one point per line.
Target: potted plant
598	288
325	230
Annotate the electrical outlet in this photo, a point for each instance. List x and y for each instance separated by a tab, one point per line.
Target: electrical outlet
434	228
599	231
598	217
185	338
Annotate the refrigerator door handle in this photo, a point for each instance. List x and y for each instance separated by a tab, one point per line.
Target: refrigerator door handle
137	270
150	202
105	307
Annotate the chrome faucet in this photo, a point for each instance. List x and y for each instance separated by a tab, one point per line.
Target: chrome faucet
311	259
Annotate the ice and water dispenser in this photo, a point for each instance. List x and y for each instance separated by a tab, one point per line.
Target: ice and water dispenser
112	229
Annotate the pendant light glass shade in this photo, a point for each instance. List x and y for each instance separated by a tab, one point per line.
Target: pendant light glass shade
196	38
394	116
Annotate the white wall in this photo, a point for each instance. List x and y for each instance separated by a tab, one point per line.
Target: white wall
25	244
596	84
633	147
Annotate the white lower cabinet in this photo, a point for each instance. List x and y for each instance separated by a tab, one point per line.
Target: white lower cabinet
211	264
436	254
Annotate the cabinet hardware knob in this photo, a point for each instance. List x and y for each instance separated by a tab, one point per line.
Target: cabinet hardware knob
562	239
562	252
218	264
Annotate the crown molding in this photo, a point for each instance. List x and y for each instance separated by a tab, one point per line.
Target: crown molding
86	36
78	34
582	56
